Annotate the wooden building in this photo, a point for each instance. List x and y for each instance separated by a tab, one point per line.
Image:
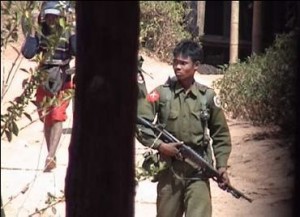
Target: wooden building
271	18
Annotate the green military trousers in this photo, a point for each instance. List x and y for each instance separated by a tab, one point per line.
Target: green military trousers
177	196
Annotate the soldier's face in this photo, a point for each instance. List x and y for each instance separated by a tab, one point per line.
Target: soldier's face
184	68
51	20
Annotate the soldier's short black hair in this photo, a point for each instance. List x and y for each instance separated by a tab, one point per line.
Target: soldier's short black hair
189	48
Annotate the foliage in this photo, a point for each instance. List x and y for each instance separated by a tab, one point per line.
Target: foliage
149	168
12	13
161	27
18	15
51	202
16	109
262	89
141	174
154	16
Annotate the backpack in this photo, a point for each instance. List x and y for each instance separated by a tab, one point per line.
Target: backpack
54	81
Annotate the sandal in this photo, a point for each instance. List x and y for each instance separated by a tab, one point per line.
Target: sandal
50	164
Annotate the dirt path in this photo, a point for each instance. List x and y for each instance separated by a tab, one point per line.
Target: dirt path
260	165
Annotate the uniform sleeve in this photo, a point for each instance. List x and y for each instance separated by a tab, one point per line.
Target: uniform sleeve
30	47
142	91
219	132
147	109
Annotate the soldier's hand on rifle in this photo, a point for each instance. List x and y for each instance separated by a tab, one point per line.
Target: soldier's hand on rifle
170	149
224	181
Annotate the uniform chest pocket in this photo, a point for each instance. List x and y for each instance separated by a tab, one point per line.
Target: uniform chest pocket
172	121
173	115
195	123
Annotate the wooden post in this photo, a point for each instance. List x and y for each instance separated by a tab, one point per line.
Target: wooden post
234	32
256	27
200	17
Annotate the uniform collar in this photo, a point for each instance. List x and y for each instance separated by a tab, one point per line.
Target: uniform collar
178	89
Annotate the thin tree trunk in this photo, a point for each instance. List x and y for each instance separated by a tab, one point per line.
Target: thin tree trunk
257	27
2	209
100	173
234	32
200	17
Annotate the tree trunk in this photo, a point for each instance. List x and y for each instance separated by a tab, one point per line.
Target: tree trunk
256	27
200	17
2	209
234	32
100	173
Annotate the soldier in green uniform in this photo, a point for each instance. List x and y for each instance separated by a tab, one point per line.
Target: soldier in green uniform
192	113
142	90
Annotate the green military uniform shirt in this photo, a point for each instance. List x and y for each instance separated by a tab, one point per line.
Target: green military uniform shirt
180	113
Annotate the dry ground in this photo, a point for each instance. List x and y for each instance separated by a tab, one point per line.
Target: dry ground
260	164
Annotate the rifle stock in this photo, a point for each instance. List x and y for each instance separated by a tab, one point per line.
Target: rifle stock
193	158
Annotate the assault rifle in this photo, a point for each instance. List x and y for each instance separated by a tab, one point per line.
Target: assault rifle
192	157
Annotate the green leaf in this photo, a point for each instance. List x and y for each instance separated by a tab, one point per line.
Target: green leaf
8	135
26	14
24	70
62	23
15	128
53	210
11	102
27	116
33	102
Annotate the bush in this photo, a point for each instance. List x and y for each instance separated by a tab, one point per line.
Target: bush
161	27
263	88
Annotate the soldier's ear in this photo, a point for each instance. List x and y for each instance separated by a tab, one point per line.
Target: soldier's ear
197	65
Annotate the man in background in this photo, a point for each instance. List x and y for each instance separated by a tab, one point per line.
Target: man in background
55	63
